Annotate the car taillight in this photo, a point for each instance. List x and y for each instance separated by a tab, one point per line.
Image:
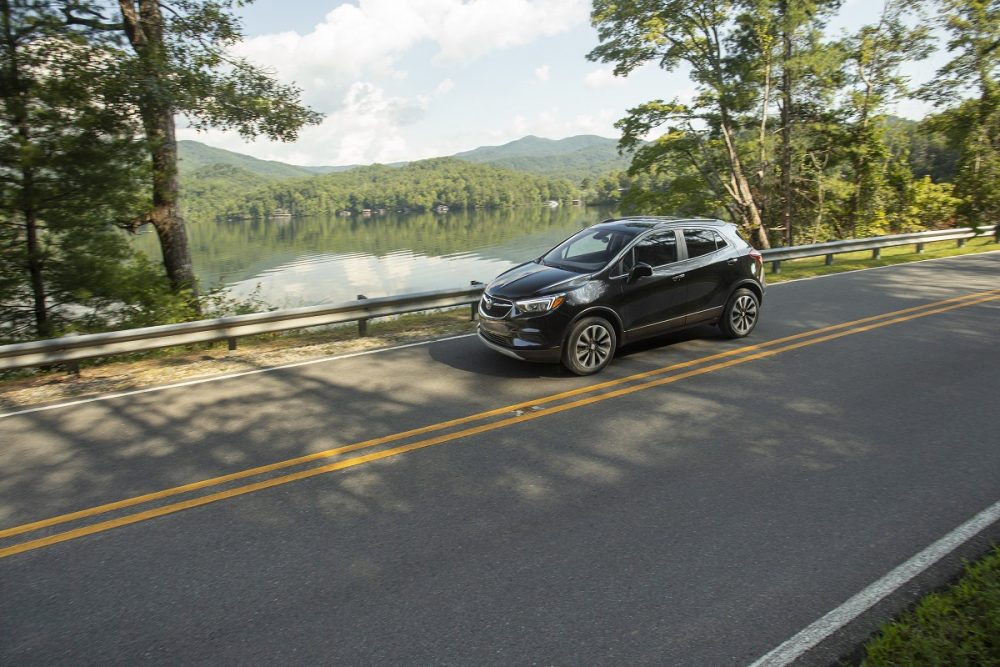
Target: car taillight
757	257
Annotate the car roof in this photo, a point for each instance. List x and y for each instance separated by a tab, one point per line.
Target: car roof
651	221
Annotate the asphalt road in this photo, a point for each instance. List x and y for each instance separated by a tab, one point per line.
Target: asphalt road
675	510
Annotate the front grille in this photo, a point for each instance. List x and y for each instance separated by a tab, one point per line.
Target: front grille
495	338
494	307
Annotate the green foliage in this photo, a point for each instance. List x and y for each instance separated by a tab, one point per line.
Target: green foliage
959	627
873	57
216	190
71	174
182	62
787	128
921	204
418	186
928	150
973	127
194	156
721	133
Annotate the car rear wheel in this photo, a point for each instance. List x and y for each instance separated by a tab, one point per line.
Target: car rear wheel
740	316
590	346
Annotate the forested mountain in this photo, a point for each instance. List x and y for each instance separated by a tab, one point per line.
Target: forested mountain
574	158
195	155
417	186
220	183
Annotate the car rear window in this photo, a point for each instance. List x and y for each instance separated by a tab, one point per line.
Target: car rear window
701	242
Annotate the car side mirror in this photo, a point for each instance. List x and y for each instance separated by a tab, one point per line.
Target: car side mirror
640	271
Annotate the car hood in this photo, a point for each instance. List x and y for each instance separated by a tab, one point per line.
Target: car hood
529	279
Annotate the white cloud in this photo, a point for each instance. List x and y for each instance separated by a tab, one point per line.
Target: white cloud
368	128
602	77
444	87
466	31
369	39
542	73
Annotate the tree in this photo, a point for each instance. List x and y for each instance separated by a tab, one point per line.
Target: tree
180	66
71	171
974	125
58	141
874	55
807	77
730	78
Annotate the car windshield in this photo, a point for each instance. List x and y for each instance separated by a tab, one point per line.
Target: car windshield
589	250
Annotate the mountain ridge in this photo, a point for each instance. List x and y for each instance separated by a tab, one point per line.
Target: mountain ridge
575	158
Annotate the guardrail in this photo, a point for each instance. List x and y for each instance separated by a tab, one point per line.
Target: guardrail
875	243
71	349
74	348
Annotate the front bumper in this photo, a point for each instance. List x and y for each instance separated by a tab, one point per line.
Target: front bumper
519	348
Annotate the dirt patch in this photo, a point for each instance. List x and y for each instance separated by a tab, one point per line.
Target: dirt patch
195	362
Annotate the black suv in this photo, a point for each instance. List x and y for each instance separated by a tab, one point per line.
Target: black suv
619	281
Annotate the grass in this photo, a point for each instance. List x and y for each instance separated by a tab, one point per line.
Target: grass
959	627
852	261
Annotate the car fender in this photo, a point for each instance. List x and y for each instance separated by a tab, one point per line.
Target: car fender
750	284
606	312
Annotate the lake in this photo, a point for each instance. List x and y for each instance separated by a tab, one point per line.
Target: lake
306	261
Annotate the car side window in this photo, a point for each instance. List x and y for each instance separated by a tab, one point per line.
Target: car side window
700	242
657	249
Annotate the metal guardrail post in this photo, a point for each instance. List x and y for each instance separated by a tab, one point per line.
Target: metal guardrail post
362	322
960	243
776	266
473	306
73	365
920	248
232	343
876	253
829	259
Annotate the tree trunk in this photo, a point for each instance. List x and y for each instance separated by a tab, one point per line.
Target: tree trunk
786	125
740	190
144	28
43	326
165	215
859	164
15	92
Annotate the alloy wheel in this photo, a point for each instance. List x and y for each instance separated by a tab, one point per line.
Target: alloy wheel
593	347
744	314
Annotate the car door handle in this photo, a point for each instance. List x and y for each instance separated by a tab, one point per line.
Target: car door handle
679	276
733	260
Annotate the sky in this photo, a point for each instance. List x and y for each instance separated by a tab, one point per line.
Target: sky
401	80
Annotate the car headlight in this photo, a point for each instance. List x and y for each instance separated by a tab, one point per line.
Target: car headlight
540	305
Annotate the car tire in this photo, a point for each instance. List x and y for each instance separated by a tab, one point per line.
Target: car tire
741	314
590	346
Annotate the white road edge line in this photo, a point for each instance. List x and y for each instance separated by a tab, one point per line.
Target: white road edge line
811	636
229	376
217	378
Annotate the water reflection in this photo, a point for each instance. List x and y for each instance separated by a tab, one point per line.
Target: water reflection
306	261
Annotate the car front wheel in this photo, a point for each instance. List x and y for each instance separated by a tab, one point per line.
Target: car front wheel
740	316
590	346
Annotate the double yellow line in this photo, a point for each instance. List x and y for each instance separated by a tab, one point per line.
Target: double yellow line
597	392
